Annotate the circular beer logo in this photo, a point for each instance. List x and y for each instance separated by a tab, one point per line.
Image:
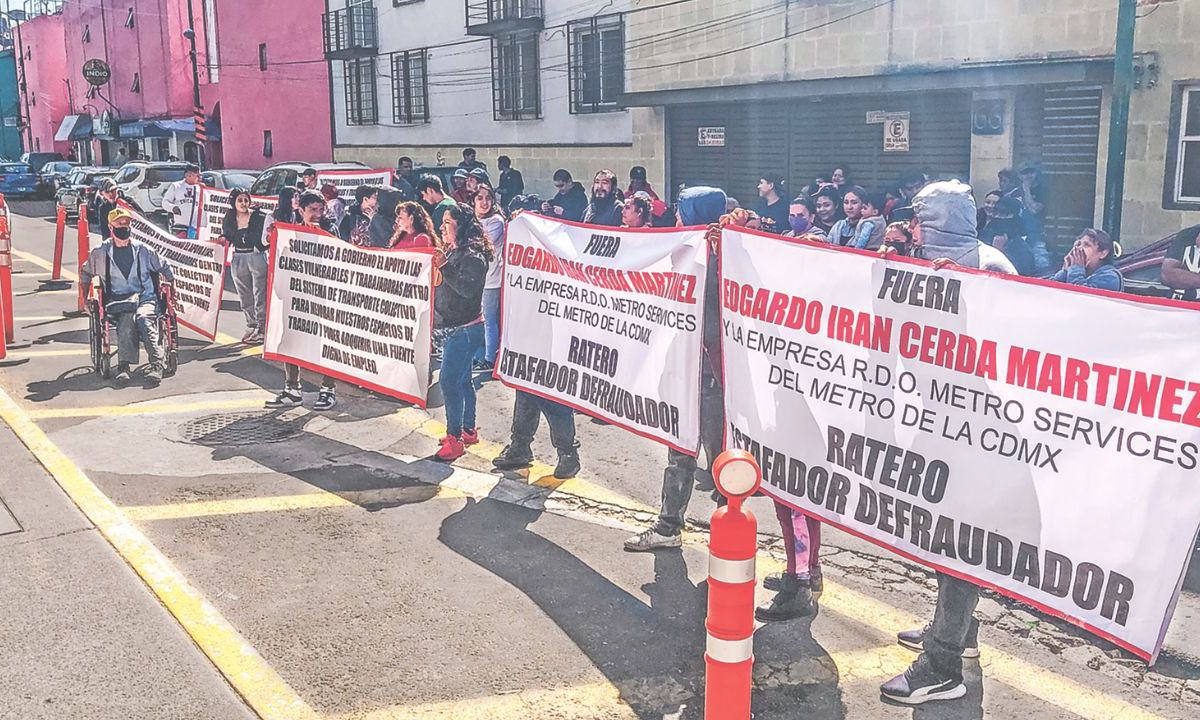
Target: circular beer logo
96	72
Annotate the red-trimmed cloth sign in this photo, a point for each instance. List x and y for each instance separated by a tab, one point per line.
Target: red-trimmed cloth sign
1028	436
199	269
608	321
347	181
362	315
214	203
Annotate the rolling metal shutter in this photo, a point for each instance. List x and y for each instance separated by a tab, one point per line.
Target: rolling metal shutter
756	139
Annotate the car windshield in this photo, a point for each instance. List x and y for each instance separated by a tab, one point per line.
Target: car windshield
164	175
91	178
14	168
238	180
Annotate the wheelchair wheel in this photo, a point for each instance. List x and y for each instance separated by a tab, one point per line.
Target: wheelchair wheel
105	366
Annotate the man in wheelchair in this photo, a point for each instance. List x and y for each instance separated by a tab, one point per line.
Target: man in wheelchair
125	276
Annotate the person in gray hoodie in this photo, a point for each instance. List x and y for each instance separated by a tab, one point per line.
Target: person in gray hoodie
944	231
697	206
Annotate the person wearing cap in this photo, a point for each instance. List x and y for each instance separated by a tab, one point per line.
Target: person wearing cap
105	202
943	228
773	210
308	180
476	177
126	271
637	182
461	193
181	200
1005	232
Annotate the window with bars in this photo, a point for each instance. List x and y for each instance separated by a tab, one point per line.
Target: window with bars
361	105
596	52
410	87
516	84
137	83
1182	186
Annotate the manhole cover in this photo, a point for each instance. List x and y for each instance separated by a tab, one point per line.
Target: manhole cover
240	429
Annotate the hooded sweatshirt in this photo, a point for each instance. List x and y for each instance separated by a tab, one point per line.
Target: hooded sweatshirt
603	211
946	211
704	206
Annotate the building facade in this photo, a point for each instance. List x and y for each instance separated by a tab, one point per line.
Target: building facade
146	107
537	80
267	90
49	100
11	115
797	88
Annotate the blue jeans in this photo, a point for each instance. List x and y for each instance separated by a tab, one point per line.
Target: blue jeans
491	324
462	343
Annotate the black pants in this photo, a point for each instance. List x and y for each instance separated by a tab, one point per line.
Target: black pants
527	412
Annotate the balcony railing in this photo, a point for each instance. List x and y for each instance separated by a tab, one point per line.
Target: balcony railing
495	17
351	32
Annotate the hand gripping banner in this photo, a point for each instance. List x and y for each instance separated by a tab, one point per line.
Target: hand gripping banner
608	321
347	181
362	315
1028	436
214	203
199	269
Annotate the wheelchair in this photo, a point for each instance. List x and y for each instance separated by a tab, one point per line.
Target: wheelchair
101	329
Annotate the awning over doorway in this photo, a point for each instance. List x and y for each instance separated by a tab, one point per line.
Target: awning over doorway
74	127
156	128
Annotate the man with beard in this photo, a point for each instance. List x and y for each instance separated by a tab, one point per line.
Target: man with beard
604	208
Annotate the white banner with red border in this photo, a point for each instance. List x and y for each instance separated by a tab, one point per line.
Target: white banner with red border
361	315
199	270
1031	437
608	321
347	181
214	204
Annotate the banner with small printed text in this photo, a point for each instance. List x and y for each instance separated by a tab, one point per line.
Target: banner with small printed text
593	315
1031	437
347	181
214	203
362	315
199	270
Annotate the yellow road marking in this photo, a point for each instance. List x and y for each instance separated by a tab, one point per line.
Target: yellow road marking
305	501
245	670
152	408
49	353
43	264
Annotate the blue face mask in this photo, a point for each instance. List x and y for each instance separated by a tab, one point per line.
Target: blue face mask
800	224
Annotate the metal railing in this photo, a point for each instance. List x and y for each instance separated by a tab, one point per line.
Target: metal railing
489	12
352	31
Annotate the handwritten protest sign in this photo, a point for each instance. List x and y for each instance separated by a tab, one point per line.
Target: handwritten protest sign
214	203
362	315
594	316
347	181
1030	437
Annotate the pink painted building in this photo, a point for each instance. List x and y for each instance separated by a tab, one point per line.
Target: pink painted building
269	85
146	107
46	70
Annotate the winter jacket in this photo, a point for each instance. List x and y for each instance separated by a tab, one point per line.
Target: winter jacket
140	281
573	202
458	300
355	226
946	211
606	214
1106	277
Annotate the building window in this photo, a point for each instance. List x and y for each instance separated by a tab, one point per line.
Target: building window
129	19
596	48
268	144
137	83
398	3
1182	184
262	57
410	87
361	108
515	81
87	33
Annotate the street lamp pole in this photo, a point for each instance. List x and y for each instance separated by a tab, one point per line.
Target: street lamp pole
197	108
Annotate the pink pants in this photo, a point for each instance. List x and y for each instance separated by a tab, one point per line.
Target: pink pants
801	539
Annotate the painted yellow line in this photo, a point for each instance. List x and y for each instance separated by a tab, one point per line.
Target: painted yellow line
245	670
49	353
152	408
43	264
283	503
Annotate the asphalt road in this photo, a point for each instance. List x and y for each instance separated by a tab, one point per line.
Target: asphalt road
178	552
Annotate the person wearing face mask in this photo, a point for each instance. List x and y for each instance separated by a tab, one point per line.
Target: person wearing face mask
801	214
125	270
243	230
604	208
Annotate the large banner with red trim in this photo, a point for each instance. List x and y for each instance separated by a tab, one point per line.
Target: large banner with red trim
214	203
199	269
608	321
347	181
1025	435
362	315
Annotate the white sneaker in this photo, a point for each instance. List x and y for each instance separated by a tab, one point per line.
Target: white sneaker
651	539
290	397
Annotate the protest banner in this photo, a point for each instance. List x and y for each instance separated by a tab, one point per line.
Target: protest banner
347	181
362	315
1032	437
593	316
199	269
214	203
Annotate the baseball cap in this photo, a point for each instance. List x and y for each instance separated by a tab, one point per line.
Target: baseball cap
479	173
461	173
118	213
107	184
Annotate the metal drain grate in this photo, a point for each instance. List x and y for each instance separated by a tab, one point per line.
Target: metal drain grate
249	428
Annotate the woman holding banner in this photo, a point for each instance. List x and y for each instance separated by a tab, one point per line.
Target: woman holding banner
458	307
492	221
244	230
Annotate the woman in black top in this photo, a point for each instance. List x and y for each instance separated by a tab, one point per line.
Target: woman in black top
288	208
458	305
244	231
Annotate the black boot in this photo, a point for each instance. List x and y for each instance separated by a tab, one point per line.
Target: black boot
568	464
794	600
514	457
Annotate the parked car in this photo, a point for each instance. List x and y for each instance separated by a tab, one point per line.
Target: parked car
228	179
143	183
1143	269
37	160
79	187
51	178
281	175
17	179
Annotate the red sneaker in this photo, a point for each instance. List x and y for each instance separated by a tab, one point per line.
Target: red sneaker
451	449
470	437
